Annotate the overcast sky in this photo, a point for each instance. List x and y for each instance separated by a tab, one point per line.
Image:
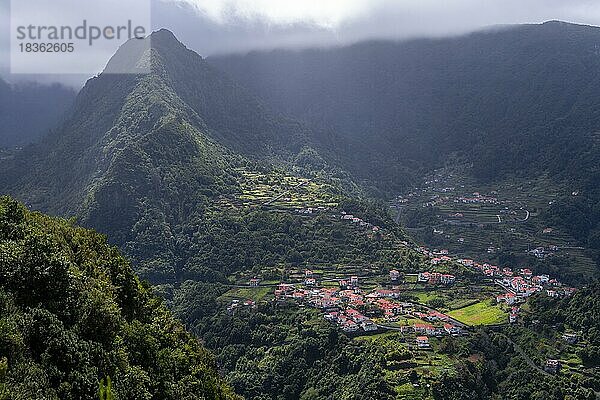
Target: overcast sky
225	26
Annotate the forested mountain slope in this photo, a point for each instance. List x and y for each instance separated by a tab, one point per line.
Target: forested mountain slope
579	314
144	155
217	200
526	90
515	100
73	314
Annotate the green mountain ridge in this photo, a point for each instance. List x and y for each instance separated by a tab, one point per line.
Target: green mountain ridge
151	147
419	100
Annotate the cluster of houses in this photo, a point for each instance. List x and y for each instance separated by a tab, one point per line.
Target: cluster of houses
344	216
338	303
520	284
351	320
236	304
542	252
359	221
346	294
477	198
524	284
431	330
341	305
436	278
435	200
312	210
437	260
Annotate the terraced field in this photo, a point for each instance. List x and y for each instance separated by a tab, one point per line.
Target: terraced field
504	222
256	294
482	313
284	191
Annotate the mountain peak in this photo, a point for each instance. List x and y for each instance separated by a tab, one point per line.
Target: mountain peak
164	36
137	55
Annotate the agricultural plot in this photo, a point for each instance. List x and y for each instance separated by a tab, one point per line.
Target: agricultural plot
256	294
482	313
408	391
400	358
452	297
284	191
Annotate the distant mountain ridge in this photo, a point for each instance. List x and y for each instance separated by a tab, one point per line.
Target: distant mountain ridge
30	111
528	90
513	100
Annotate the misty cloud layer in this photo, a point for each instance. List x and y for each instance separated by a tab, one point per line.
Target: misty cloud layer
226	26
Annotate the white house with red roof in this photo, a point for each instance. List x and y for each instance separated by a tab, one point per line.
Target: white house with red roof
452	329
349	326
422	342
467	262
423	276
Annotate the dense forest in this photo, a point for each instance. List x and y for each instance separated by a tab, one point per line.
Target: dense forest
580	314
74	315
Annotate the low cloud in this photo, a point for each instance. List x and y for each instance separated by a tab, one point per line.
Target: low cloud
213	27
222	26
321	13
417	15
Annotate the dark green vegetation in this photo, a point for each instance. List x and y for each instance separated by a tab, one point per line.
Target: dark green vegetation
279	354
511	101
577	314
30	111
201	184
72	313
493	366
